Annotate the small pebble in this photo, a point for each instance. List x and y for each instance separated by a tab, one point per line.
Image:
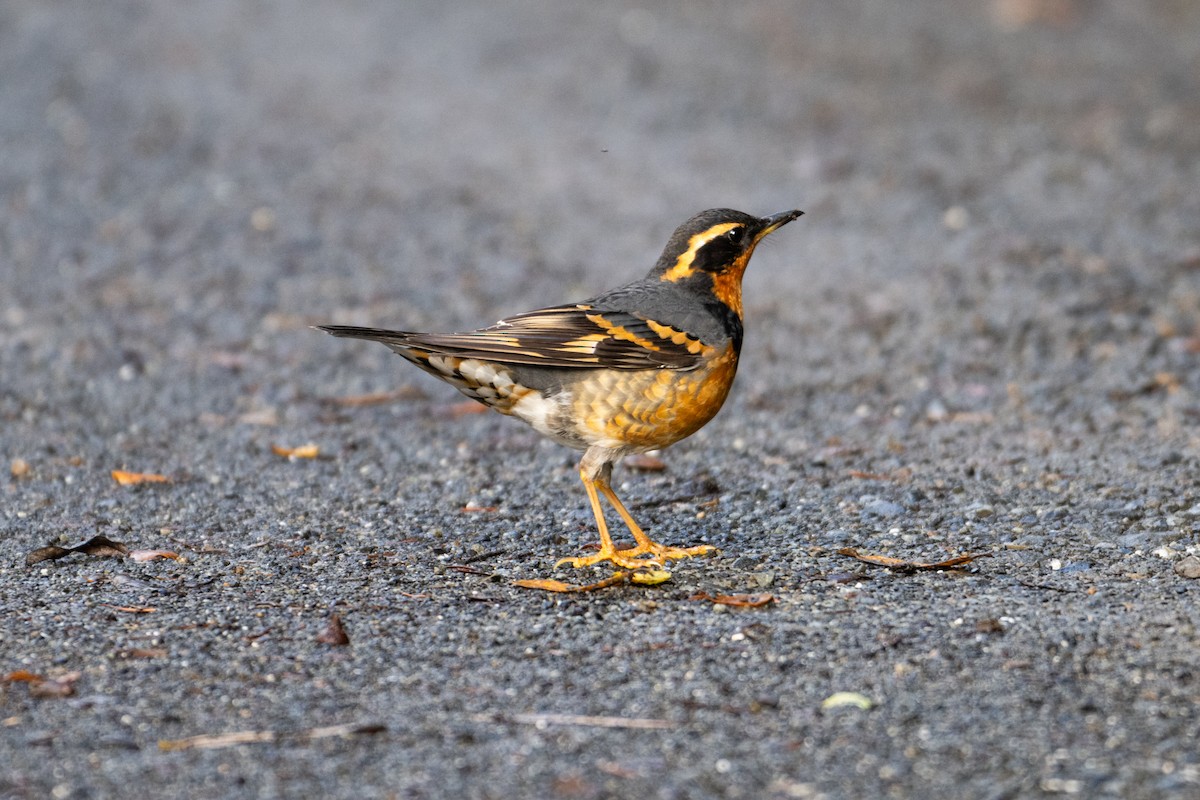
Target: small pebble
956	218
1188	567
980	511
882	508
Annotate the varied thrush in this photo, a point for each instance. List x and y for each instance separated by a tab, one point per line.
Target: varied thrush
633	369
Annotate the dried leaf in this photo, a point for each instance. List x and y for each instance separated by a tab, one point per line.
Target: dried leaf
42	686
867	476
900	565
378	398
736	600
546	585
131	609
844	699
972	417
309	450
215	740
152	555
133	478
96	546
334	633
62	686
580	720
211	741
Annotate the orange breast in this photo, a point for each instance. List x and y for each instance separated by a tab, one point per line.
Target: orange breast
649	409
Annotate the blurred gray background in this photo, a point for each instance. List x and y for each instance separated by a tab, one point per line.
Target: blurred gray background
983	337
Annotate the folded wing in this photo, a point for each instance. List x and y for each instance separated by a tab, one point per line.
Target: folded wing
576	336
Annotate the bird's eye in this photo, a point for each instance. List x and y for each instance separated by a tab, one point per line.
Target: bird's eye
735	235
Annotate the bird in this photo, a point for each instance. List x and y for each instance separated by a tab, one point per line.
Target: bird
634	369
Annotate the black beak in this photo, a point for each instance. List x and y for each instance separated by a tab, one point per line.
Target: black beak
777	221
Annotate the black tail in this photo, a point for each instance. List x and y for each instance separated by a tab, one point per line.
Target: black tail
374	334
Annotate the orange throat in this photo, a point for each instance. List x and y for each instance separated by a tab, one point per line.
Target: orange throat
727	285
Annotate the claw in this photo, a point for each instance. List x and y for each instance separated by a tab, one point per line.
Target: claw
628	559
640	556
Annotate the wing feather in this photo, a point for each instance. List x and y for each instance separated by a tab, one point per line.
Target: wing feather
576	336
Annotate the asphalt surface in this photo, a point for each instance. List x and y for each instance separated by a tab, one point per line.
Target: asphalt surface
983	337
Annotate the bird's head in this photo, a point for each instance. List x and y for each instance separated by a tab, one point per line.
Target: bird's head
711	250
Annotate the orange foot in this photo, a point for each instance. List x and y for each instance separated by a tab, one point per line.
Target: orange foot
649	554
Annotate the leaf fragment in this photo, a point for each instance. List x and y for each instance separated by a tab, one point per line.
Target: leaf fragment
546	585
62	686
42	686
378	398
131	609
98	545
901	565
152	555
210	741
334	633
736	600
309	450
867	476
579	720
134	478
847	699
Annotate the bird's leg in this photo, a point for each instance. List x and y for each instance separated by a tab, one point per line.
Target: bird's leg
590	472
645	545
595	470
607	549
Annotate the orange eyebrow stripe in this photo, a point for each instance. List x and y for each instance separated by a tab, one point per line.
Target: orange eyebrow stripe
683	264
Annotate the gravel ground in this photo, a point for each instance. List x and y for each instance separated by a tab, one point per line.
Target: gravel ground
983	337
